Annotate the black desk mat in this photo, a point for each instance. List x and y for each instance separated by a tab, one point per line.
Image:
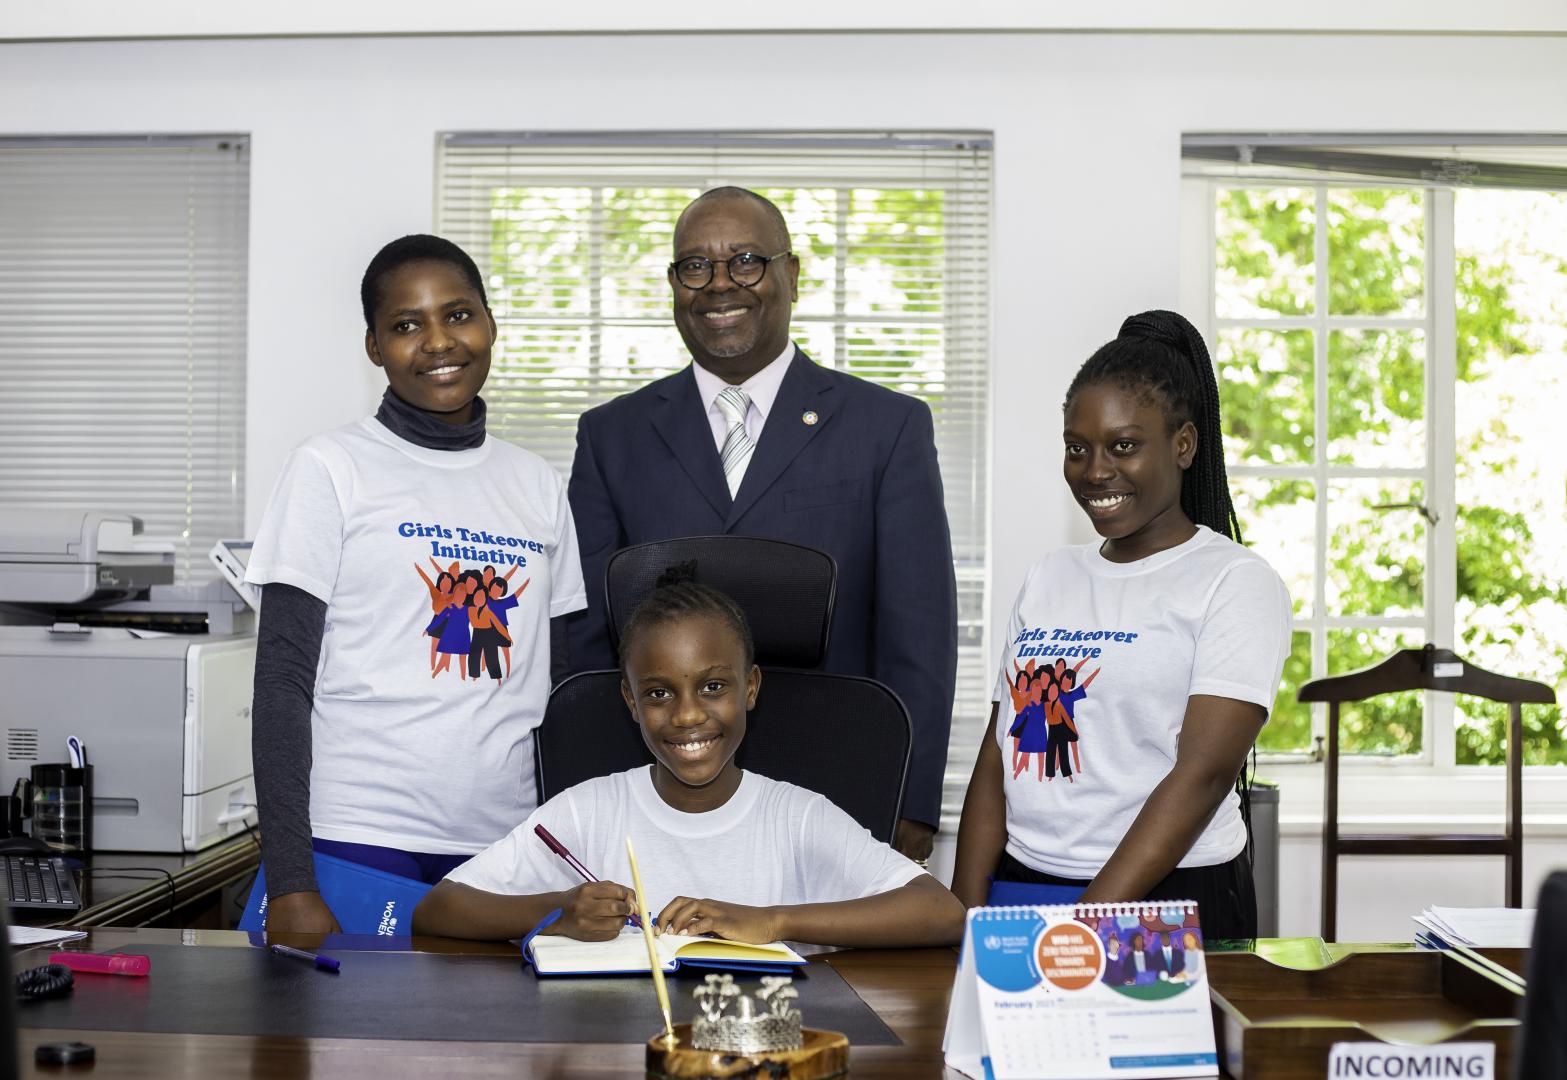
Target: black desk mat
234	991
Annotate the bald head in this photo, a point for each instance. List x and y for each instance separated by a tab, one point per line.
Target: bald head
734	330
777	227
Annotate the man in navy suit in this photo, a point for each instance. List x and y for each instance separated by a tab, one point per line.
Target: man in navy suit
1145	961
755	439
1172	954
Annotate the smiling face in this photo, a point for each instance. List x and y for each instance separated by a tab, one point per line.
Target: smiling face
1124	467
688	687
732	331
432	336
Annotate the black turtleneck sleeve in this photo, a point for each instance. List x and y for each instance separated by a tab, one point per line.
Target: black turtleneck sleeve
288	648
288	652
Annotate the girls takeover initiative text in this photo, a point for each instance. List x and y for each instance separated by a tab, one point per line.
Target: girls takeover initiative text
467	550
1049	638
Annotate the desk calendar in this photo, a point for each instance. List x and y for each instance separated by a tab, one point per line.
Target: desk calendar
1082	992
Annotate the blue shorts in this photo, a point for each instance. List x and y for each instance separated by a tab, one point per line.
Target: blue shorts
1003	893
417	865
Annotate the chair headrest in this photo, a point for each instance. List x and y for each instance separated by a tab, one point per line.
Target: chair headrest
786	590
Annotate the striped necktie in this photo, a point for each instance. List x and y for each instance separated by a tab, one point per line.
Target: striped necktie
738	447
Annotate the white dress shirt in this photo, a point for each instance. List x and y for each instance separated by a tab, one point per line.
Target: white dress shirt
761	388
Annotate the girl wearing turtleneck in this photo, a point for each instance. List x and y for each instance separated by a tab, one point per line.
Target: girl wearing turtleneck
361	750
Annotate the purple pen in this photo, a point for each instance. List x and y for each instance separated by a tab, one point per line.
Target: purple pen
575	863
325	963
560	849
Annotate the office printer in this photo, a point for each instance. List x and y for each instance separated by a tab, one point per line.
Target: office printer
155	678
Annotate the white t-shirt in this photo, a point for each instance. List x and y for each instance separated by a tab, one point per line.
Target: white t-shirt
772	843
367	521
1205	617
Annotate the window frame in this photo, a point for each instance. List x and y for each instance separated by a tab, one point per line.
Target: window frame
1438	321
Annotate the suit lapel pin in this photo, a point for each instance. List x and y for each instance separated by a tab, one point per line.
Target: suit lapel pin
808	418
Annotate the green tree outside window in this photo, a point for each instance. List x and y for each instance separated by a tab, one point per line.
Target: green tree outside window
1511	588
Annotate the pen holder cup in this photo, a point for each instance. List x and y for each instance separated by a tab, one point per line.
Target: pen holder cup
62	808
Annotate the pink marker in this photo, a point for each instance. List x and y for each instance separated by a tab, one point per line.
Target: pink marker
104	963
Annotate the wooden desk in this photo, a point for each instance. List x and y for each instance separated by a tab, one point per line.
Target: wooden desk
908	989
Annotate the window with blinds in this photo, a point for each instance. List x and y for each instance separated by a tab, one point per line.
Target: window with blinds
893	234
122	294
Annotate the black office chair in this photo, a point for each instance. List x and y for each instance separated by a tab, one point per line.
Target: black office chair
1541	1047
797	732
786	590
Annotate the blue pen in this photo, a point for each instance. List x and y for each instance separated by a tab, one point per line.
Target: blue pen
325	963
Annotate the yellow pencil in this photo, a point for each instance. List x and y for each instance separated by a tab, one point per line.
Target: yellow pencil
652	951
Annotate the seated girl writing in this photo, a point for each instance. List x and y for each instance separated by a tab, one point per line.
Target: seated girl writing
721	851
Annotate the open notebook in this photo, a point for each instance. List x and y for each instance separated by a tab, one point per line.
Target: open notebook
627	954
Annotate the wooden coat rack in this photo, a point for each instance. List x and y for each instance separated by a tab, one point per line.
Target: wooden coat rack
1429	668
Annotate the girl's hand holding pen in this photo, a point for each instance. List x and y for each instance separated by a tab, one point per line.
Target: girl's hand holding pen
587	875
594	911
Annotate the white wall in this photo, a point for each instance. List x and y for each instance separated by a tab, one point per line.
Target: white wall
76	19
1087	131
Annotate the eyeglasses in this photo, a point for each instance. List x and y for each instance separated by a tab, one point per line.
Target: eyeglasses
745	269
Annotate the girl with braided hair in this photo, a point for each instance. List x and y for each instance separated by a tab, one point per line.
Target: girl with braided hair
1188	631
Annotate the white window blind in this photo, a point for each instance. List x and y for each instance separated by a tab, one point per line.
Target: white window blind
122	294
893	234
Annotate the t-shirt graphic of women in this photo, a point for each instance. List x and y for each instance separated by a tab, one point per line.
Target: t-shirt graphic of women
1044	699
489	634
450	629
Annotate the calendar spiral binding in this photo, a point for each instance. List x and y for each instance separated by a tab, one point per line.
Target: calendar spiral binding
1089	911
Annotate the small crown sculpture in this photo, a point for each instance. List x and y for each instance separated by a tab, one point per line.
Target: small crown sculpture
738	1023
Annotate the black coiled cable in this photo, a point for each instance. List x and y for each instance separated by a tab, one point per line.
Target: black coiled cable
47	981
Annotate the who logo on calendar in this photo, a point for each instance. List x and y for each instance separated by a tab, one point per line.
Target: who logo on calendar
1084	991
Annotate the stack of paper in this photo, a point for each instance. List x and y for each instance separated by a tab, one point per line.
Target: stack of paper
34	935
1483	928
